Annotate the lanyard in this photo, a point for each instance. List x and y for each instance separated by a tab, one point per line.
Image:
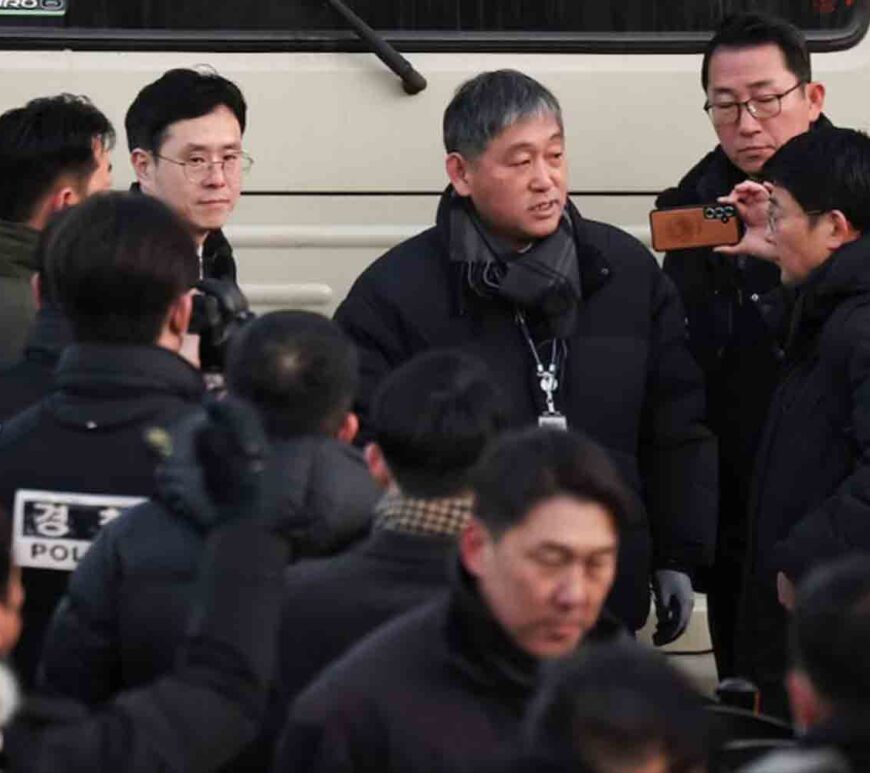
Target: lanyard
547	377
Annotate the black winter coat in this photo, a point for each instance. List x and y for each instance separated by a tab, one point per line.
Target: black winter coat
125	611
206	708
32	377
87	437
629	380
730	341
390	573
811	493
442	689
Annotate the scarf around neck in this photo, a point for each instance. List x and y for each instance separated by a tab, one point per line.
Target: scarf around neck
544	279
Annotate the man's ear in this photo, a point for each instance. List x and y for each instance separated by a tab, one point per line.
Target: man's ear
816	96
841	231
458	170
475	543
178	318
348	429
62	196
807	706
143	166
377	464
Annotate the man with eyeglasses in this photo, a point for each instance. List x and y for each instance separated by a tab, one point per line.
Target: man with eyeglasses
811	487
759	94
184	132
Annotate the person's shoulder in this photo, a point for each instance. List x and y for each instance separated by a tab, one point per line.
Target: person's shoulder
712	176
314	581
395	656
150	536
619	248
413	258
330	479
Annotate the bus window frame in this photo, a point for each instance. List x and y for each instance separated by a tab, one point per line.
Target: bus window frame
344	41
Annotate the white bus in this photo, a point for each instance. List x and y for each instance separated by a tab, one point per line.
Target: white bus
347	163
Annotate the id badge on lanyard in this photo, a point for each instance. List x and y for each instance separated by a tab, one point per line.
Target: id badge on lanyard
547	380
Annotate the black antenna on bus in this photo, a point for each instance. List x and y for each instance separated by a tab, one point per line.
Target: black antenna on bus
412	81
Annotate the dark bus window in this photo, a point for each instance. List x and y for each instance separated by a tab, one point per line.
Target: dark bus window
425	19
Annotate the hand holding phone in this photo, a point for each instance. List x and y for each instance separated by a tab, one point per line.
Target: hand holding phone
752	200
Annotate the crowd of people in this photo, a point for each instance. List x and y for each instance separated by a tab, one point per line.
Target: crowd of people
423	535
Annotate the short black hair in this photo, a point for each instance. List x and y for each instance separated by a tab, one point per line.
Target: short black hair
611	705
299	370
484	106
115	264
39	143
748	30
179	95
432	417
525	467
826	169
830	631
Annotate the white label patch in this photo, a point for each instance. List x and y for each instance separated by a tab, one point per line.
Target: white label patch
54	529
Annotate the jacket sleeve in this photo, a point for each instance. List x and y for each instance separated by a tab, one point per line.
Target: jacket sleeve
198	717
80	656
841	524
677	452
377	332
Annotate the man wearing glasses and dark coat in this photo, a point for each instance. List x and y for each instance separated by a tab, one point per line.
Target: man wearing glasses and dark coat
759	94
184	132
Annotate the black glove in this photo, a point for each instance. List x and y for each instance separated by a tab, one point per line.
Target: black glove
675	600
232	450
212	463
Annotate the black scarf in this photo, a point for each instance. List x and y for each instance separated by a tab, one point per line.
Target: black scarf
544	279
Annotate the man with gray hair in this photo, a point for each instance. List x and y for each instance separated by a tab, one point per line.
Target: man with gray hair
575	319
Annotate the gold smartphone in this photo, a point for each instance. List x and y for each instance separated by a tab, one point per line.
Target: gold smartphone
683	228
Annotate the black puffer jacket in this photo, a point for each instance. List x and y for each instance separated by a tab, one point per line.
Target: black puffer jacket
206	708
629	380
32	377
730	341
128	602
811	493
87	437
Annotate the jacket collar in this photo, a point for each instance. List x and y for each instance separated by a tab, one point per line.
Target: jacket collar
17	249
594	268
481	648
406	548
108	369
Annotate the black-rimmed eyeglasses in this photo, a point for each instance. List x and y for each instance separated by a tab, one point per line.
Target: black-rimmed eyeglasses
761	108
